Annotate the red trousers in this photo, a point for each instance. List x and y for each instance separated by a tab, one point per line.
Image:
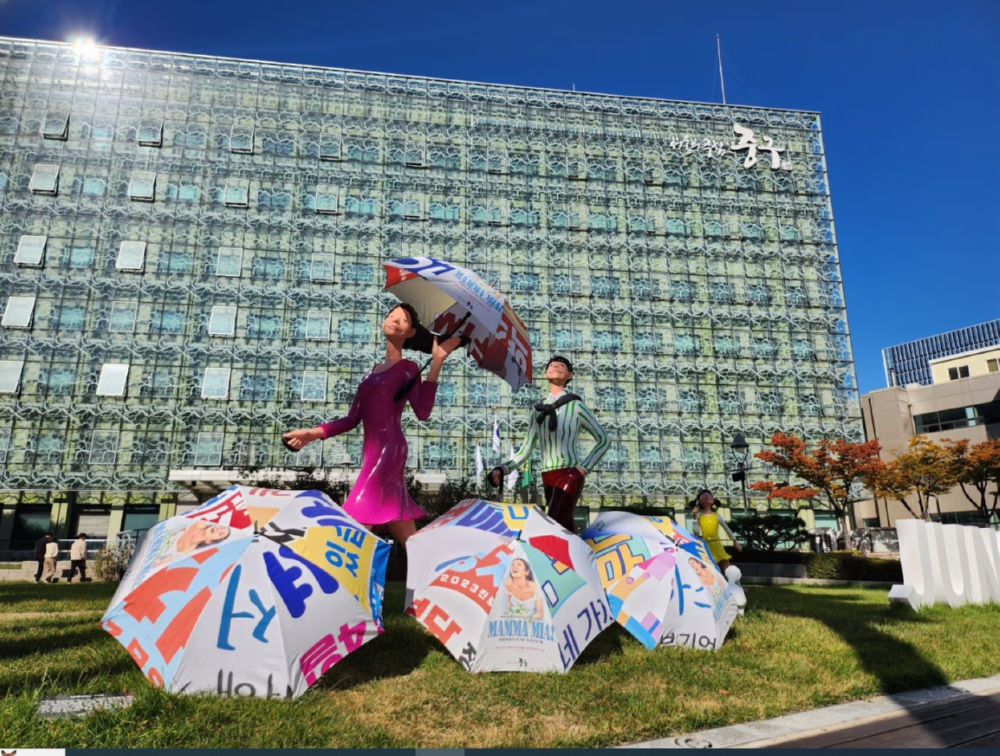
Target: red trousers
562	491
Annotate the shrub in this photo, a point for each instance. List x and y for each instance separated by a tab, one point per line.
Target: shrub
768	531
834	565
111	562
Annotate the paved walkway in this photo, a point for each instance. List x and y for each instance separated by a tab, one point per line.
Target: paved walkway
964	714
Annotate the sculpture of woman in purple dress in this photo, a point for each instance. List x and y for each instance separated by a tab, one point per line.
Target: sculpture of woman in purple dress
380	497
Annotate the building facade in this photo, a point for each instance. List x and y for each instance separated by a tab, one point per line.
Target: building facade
189	265
909	363
966	406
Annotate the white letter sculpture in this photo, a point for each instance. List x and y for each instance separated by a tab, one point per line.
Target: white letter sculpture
947	564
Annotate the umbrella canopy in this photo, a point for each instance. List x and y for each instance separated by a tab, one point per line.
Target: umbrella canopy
255	593
505	588
662	584
448	296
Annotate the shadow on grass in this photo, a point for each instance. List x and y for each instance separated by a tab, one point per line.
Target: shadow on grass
58	596
61	638
897	664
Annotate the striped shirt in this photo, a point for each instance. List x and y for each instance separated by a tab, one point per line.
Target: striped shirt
559	447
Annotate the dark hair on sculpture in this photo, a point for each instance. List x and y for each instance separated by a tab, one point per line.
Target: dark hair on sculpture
422	340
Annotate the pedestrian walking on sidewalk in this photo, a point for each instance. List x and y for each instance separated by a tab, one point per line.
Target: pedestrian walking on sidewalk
78	558
51	554
40	545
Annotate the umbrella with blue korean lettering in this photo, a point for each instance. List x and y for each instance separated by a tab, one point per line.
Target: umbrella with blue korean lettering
505	588
661	581
456	301
257	592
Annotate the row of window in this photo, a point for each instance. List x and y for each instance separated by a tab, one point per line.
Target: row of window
311	386
316	325
328	199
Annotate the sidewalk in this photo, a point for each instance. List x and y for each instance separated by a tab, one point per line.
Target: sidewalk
963	714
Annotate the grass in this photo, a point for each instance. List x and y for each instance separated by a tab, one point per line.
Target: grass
797	648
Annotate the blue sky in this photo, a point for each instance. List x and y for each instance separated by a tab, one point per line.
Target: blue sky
908	92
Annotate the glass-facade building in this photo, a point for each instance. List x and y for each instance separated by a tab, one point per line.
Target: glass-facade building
189	265
909	363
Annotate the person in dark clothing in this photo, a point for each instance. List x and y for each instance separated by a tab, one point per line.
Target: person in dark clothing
40	545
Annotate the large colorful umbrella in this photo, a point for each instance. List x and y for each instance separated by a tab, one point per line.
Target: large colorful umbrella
255	593
505	588
453	300
662	583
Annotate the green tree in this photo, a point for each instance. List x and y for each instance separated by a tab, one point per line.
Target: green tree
770	531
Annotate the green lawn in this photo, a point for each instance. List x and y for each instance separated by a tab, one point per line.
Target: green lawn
796	648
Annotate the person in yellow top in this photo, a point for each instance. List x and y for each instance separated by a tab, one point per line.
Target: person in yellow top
707	525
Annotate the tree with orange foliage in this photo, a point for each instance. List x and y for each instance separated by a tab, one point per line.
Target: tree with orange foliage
916	476
835	470
978	466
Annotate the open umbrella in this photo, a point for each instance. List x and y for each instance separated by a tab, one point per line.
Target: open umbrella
453	300
505	588
662	584
255	593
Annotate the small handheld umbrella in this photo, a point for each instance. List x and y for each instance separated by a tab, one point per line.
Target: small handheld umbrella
505	588
661	582
456	301
255	593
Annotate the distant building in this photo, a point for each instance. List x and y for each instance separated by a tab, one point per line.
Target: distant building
910	363
962	402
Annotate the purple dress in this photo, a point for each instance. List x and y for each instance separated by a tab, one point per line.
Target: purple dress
380	495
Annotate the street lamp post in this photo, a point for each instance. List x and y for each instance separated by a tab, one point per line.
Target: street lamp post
741	449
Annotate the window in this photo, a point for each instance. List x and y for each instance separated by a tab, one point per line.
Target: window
729	401
763	347
713	228
10	375
602	222
316	325
330	147
771	402
174	262
327	199
645	343
67	318
605	286
167	321
437	456
237	192
103	447
321	268
18	312
122	318
45	179
691	400
229	262
411	206
759	294
263	326
215	384
313	386
272	268
445	211
678	227
524	281
795	295
694	460
241	140
725	346
809	405
357	273
607	340
131	255
354	331
567	339
802	349
163	383
719	292
687	344
113	378
257	388
222	321
361	206
208	449
611	398
81	256
682	291
563	283
59	380
648	399
48	450
56	126
962	371
443	157
142	187
150	133
94	187
30	250
993	366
